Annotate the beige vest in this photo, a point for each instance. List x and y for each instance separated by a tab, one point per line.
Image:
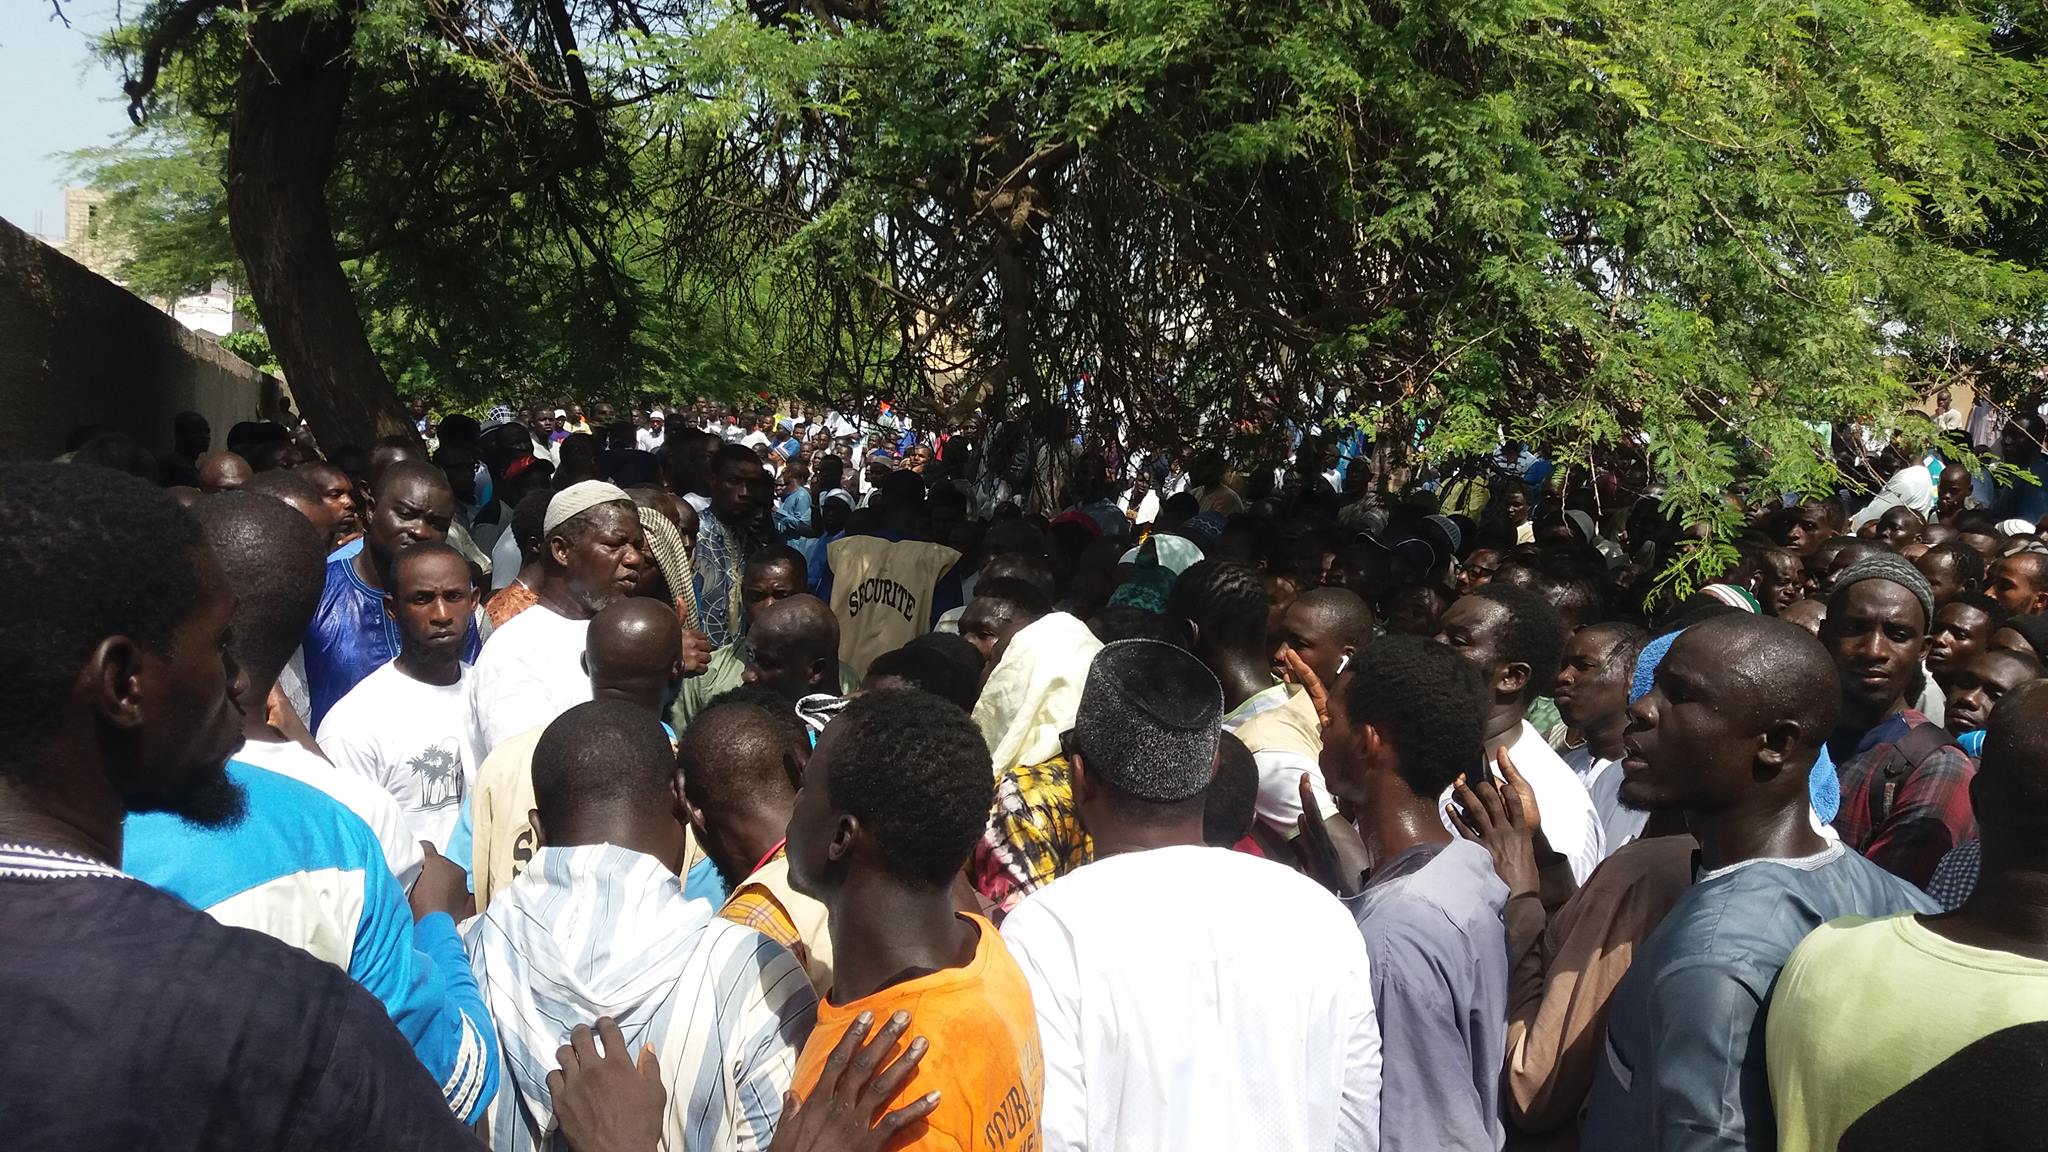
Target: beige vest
501	818
882	593
814	942
1292	727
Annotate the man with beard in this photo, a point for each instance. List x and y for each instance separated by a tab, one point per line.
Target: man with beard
728	532
1738	711
532	670
300	866
122	697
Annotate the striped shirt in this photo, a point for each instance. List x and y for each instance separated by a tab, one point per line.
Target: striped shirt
599	930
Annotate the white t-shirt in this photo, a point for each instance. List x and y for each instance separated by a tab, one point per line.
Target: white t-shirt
529	672
1193	997
375	805
650	440
1602	778
415	740
1569	821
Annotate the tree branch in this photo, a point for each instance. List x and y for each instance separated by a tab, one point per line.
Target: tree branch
174	27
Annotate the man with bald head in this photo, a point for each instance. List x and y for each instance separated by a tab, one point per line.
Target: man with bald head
794	649
739	766
223	472
721	1010
351	635
633	655
1906	1031
772	574
294	488
532	669
1727	736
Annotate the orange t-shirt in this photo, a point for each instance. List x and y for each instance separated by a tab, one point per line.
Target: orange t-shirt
984	1058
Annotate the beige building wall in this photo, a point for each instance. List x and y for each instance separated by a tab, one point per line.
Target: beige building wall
76	348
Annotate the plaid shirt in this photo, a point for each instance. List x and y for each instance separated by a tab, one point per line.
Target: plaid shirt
1930	805
1033	836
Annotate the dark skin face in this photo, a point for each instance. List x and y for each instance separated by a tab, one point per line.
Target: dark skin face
1897	528
409	511
1781	582
1307	633
2014	583
1591	685
431	599
1960	632
764	584
1876	631
604	564
1951	492
697	465
1478	569
1516	505
193	693
820	839
223	472
1940	570
776	660
736	494
1689	745
1472	627
1978	685
1805	529
337	492
988	625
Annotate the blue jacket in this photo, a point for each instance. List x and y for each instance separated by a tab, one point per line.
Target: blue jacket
351	636
302	868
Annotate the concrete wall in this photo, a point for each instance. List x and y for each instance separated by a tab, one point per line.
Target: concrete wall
76	348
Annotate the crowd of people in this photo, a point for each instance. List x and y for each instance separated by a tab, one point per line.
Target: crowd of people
715	779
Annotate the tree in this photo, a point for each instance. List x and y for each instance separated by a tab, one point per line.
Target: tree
1592	222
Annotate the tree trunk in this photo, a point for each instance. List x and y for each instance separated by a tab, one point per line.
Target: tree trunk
288	104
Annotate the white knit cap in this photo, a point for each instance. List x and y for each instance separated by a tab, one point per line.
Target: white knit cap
579	498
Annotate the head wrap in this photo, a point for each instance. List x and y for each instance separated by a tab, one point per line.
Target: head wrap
656	415
2016	527
1033	691
500	414
1149	720
1732	596
665	542
1204	529
1895	568
577	499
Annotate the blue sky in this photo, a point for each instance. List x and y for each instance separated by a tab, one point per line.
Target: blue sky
57	98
